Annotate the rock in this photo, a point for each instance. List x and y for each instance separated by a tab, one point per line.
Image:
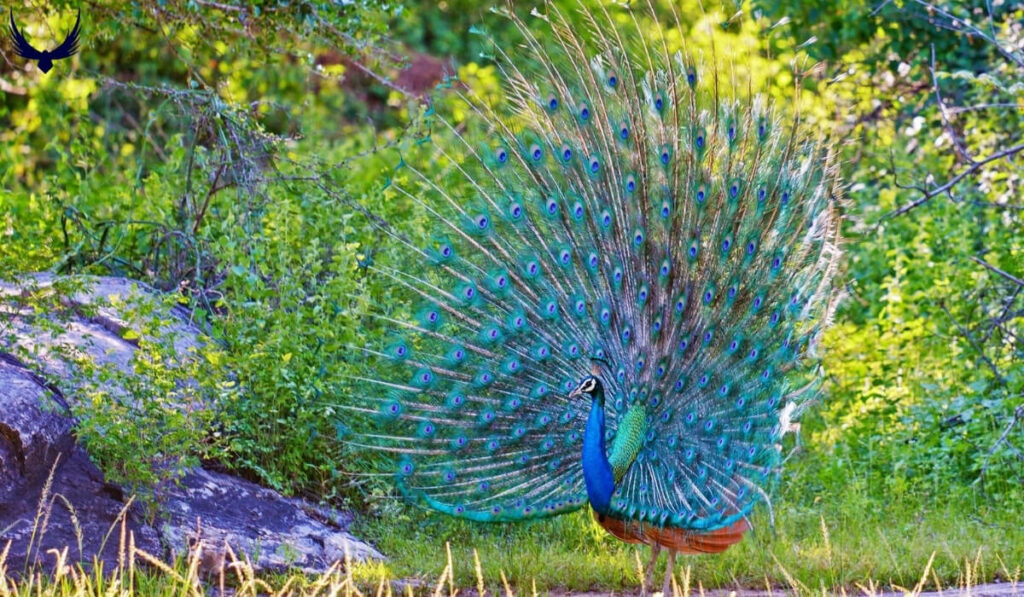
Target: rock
75	507
34	429
97	313
274	532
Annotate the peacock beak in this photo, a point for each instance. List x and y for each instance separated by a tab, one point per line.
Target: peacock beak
576	393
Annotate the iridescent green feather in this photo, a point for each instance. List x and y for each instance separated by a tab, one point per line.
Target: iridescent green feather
629	438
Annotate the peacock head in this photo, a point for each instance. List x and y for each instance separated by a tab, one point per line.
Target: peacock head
589	387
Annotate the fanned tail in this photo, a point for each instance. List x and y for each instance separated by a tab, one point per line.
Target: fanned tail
626	203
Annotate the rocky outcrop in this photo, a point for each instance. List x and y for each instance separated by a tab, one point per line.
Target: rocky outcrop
276	533
53	497
34	429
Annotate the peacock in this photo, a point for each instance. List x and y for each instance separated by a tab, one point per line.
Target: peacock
628	261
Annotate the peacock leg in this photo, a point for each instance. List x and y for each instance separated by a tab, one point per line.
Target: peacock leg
655	550
669	572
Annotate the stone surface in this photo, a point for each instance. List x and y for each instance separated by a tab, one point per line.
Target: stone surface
44	507
34	429
273	532
73	508
99	312
81	512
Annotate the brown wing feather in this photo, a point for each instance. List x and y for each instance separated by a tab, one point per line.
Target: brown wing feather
680	540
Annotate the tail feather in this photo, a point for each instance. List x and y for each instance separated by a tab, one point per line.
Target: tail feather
625	202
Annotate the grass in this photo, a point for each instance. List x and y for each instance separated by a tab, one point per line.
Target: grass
850	536
887	548
140	573
845	537
850	541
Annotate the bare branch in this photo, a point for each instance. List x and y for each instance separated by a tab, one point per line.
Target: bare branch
977	347
959	24
998	321
928	195
959	109
995	269
8	87
1018	415
879	8
896	177
996	205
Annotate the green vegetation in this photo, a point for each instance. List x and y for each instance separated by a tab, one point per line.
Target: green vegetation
847	534
236	159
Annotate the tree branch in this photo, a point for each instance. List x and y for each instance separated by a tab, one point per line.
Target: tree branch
975	166
959	109
995	269
1018	415
977	347
959	23
998	321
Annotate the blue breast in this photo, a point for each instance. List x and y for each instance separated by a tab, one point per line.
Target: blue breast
597	471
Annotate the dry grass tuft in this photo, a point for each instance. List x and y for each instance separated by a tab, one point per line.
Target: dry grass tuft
138	572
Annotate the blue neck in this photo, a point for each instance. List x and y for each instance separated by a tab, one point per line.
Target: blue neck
597	471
